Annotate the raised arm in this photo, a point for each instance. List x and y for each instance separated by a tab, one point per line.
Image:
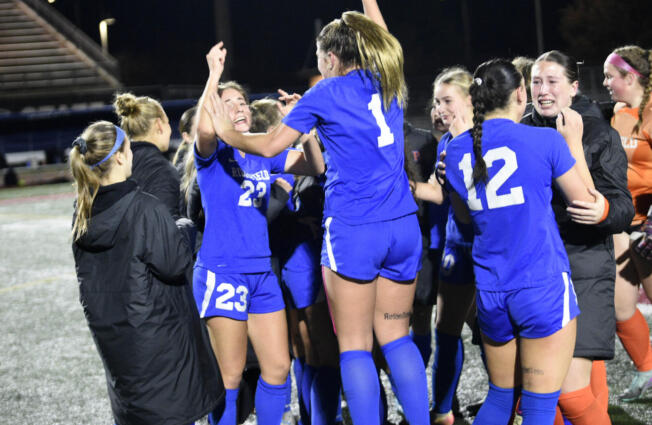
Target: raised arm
206	143
263	144
372	11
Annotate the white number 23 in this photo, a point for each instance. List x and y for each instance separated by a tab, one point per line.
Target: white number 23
228	291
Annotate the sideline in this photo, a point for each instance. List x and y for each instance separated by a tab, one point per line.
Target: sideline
34	283
35	198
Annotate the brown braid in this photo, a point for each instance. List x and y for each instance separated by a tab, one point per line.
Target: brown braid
646	94
480	167
641	61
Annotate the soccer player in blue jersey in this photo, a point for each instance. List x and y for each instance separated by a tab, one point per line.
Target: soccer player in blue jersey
501	175
372	242
456	282
235	290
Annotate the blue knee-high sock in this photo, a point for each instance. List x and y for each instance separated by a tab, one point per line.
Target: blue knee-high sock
424	344
307	377
288	398
226	414
409	376
361	386
324	396
270	402
446	370
497	407
539	408
297	367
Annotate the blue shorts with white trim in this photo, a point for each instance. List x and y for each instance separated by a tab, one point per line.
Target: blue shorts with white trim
391	249
235	295
527	312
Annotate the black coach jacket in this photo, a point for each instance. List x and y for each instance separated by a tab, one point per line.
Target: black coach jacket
156	175
590	247
132	267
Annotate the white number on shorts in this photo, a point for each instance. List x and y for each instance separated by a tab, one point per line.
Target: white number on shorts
246	199
515	195
228	292
386	137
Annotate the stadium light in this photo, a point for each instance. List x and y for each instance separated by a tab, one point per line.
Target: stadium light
104	33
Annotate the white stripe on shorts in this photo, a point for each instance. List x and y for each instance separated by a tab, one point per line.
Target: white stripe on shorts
329	247
210	286
566	317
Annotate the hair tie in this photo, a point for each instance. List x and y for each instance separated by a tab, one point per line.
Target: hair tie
477	81
81	145
616	60
119	139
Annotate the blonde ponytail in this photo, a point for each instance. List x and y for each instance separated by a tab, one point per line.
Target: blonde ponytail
89	149
358	41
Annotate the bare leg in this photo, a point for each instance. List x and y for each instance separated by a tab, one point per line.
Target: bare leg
229	341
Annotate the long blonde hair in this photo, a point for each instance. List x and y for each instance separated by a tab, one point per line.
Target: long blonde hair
137	114
358	41
94	144
641	60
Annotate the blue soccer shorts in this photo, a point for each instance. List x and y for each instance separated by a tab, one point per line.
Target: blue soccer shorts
391	249
304	287
535	312
235	295
456	265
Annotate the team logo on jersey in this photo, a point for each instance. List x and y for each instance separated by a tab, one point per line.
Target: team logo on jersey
259	175
629	142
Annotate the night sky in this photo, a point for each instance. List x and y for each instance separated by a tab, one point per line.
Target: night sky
164	42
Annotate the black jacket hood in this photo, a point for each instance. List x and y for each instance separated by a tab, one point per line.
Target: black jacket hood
581	104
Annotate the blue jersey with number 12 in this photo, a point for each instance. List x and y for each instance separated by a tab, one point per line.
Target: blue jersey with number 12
516	243
365	179
233	191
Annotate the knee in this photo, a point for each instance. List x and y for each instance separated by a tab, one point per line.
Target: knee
275	372
231	379
624	311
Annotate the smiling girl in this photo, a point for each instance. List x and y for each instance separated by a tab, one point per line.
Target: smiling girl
628	78
235	290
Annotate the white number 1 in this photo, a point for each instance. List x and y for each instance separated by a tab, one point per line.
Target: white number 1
386	137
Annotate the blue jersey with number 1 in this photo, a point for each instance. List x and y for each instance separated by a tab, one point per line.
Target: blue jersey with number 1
365	179
233	190
516	243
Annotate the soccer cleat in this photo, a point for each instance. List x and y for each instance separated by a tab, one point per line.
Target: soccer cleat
641	382
443	418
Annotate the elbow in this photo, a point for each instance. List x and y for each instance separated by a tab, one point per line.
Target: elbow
320	169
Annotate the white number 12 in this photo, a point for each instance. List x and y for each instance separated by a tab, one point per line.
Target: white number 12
386	137
515	195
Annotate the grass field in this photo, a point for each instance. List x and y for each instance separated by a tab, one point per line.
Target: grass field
50	372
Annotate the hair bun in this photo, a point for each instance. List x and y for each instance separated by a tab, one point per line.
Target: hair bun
126	104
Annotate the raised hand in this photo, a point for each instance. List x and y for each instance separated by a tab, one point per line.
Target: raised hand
287	101
218	112
571	126
215	58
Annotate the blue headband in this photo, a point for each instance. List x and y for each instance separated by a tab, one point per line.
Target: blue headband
119	138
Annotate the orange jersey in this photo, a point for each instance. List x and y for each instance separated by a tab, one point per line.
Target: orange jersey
638	147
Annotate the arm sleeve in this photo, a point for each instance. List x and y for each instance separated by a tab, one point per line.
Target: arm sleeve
610	178
166	251
305	115
561	159
200	161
